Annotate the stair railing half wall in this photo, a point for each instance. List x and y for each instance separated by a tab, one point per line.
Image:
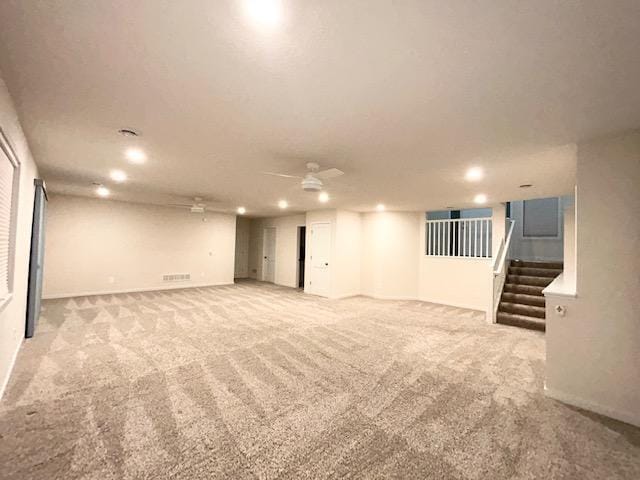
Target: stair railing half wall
500	268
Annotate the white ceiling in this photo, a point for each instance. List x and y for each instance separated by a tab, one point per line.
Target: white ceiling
403	96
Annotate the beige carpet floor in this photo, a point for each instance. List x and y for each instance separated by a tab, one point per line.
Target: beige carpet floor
257	381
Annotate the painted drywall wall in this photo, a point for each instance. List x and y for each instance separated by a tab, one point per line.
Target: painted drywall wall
347	254
569	248
243	231
541	249
96	246
498	227
593	352
455	281
390	254
461	282
286	268
382	254
13	312
393	263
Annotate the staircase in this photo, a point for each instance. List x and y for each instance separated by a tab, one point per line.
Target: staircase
522	302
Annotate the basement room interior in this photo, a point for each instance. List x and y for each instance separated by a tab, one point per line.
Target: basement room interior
278	239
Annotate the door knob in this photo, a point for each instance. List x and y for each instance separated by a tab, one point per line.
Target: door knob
326	264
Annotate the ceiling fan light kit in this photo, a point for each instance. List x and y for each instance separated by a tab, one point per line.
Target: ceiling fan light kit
311	184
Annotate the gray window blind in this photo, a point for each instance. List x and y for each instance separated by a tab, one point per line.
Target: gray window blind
7	177
540	217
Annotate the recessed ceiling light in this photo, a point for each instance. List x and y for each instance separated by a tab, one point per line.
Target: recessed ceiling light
526	185
323	197
264	13
242	210
480	198
135	155
380	207
118	176
102	191
283	204
474	174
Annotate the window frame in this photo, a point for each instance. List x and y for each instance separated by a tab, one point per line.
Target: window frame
558	220
7	150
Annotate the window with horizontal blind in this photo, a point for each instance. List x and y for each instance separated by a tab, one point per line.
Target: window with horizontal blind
541	218
8	177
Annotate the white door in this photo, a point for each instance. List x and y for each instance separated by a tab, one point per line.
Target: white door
269	255
320	237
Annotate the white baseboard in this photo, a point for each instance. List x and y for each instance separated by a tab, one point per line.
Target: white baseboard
134	290
457	305
392	297
345	295
626	417
12	363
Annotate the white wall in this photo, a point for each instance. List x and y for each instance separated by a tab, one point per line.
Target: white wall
346	265
393	264
381	254
99	246
461	282
390	254
570	261
243	230
13	313
593	353
498	227
466	283
286	270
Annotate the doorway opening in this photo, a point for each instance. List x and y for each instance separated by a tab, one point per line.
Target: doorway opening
302	238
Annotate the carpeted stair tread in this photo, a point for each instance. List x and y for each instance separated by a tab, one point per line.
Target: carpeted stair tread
525	289
522	303
527	280
523	298
521	309
535	272
521	321
522	263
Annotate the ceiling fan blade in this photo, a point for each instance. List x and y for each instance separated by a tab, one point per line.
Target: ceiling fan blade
182	205
280	175
329	173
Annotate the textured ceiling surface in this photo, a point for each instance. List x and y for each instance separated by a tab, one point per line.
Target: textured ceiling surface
401	96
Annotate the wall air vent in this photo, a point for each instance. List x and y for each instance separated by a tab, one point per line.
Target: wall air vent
176	277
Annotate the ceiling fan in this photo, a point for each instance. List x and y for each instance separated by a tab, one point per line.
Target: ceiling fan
312	181
196	207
